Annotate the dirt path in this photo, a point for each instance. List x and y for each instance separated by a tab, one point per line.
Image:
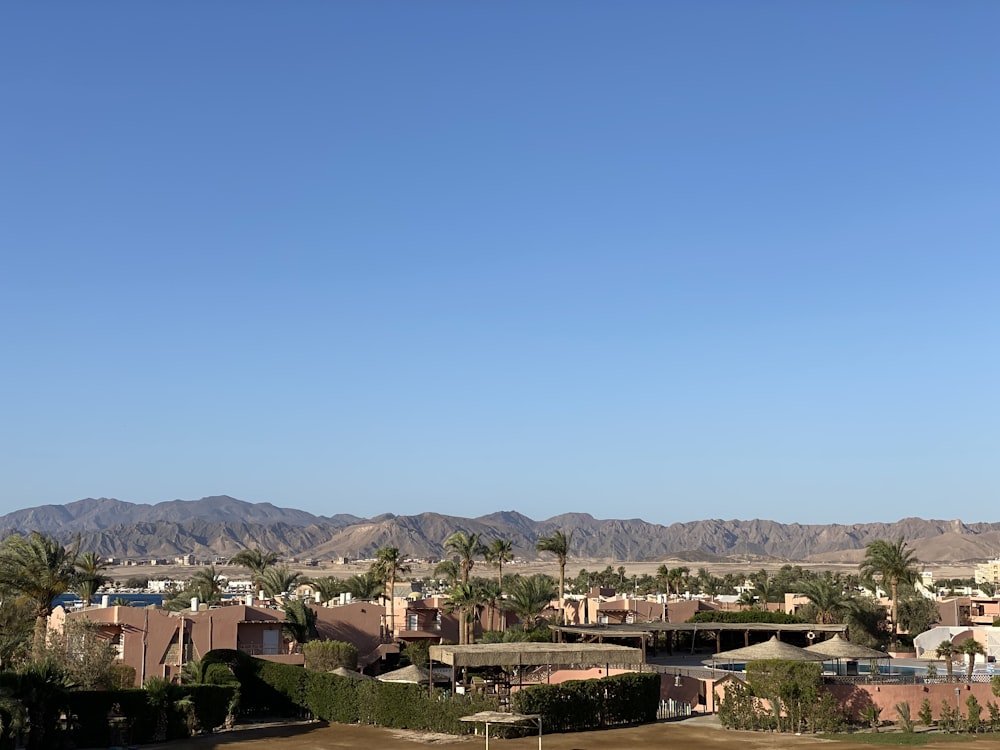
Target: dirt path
692	734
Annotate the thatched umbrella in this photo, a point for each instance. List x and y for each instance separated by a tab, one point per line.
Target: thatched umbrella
415	674
772	649
841	648
837	648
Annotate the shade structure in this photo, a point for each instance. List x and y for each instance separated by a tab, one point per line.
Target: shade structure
772	649
415	674
841	648
497	717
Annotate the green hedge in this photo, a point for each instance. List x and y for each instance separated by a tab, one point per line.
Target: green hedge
630	698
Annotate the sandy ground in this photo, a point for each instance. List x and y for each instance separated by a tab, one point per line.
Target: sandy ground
702	733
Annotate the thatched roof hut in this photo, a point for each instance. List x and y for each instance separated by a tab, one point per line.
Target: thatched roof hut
771	649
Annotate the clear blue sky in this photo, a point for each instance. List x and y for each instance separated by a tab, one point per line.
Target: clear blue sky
667	260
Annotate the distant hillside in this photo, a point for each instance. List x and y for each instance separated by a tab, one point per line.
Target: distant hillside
222	525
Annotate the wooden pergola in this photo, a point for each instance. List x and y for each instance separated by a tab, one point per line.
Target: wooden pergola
507	656
642	630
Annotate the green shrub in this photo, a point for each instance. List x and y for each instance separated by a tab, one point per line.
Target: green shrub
323	656
630	698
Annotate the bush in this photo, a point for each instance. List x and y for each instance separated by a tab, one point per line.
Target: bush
324	656
630	698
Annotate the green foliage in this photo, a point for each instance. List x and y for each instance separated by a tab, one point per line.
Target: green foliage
89	660
795	684
323	656
747	615
871	715
973	715
576	705
415	652
926	713
781	695
950	717
917	614
994	710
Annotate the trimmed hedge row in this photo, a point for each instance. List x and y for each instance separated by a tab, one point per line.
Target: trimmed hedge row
287	690
577	705
630	698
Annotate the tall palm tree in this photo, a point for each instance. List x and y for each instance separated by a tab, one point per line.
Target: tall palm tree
676	578
387	566
558	543
327	587
206	584
970	647
893	563
300	621
827	599
277	580
528	598
38	569
492	596
256	561
467	547
467	599
499	552
448	570
946	650
90	576
365	586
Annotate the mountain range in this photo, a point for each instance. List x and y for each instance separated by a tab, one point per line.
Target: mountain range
223	525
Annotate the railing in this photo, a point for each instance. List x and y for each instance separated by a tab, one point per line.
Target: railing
671	709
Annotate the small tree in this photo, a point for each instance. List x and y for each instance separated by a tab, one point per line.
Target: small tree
871	714
973	715
905	720
926	713
324	656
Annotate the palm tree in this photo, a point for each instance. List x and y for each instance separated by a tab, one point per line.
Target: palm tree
278	580
946	650
492	595
206	584
467	599
970	647
300	621
893	563
327	587
447	570
37	569
558	544
256	561
468	547
676	578
528	598
826	598
90	576
365	586
389	564
499	552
